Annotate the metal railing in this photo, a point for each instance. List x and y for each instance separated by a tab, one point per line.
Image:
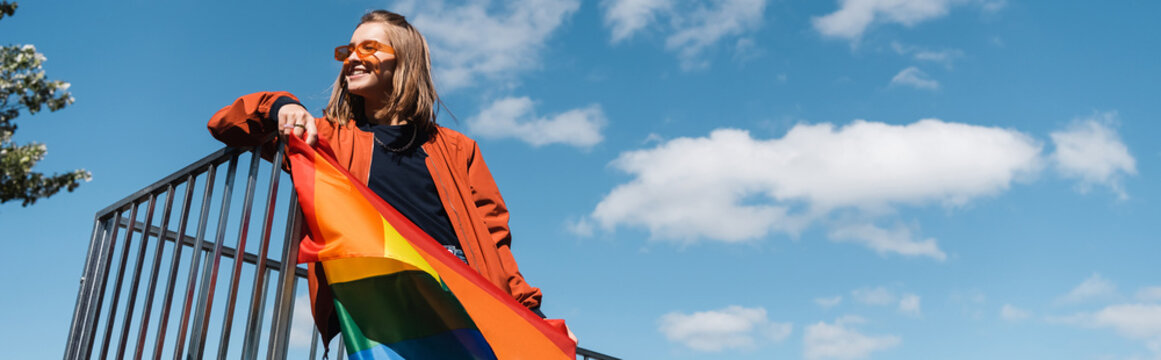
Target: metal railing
138	241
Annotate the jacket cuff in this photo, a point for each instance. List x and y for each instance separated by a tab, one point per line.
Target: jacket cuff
277	105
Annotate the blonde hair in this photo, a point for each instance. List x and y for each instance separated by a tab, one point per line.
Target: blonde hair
412	96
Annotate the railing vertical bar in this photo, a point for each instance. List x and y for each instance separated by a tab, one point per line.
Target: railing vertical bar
195	257
106	256
287	280
258	300
210	272
82	307
133	286
261	311
117	284
314	335
236	272
154	271
175	262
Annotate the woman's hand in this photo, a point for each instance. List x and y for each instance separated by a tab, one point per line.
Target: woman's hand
293	119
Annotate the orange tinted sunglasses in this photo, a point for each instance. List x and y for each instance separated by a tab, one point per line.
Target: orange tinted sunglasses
364	49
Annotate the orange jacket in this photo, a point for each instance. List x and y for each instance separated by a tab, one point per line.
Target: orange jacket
469	194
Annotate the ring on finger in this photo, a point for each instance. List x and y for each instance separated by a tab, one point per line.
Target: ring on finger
300	126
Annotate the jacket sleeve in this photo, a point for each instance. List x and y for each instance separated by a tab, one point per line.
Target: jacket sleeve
246	122
491	206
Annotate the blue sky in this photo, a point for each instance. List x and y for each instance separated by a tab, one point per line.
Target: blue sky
742	179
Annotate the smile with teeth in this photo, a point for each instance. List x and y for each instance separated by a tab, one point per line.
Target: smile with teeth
357	71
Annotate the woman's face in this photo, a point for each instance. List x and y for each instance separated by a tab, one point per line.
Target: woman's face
369	77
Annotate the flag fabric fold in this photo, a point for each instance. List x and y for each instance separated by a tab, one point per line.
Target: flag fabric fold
398	293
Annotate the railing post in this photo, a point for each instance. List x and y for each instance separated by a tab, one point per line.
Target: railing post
284	298
236	271
87	284
171	279
210	272
120	278
195	261
261	285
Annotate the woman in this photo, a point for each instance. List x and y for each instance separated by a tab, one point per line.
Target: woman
380	123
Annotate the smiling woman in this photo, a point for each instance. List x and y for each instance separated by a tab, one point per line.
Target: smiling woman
380	123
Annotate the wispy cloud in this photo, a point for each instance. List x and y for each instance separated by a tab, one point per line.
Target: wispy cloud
1091	150
733	327
854	17
626	17
1133	321
840	340
1150	294
493	40
693	27
873	296
913	77
515	117
1093	288
909	305
946	57
828	302
1011	313
898	240
732	187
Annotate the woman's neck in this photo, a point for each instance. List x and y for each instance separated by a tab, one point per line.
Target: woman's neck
370	111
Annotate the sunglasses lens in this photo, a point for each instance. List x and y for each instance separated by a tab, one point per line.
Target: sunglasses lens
367	48
342	52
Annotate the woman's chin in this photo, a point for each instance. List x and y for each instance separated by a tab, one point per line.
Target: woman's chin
355	89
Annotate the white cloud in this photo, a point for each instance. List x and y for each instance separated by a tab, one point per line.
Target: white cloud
1091	151
898	240
514	118
730	328
493	40
702	28
626	17
694	26
946	57
830	302
873	296
580	227
915	78
732	187
1012	313
1151	293
1134	321
841	341
909	305
854	17
1095	287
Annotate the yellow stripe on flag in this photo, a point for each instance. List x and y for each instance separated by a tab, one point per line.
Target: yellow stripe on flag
396	247
351	269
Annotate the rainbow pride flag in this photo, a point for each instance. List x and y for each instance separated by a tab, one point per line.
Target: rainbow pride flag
400	294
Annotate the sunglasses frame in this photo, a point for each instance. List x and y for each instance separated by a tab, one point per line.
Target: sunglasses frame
364	49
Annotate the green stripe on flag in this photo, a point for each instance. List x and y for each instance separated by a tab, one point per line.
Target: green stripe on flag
401	306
